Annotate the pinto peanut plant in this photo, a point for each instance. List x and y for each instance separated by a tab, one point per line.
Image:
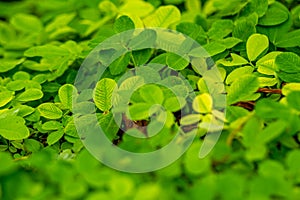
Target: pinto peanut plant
155	93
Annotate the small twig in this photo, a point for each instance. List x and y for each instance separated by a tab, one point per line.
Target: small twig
271	91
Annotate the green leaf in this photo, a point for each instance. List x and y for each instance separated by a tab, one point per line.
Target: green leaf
288	62
32	145
120	64
290	87
135	7
66	93
145	39
244	28
290	39
236	61
293	99
176	62
8	64
220	29
131	83
47	50
272	131
13	128
55	137
139	111
237	73
26	23
214	48
190	119
276	14
6	97
243	89
140	57
268	109
50	111
266	65
174	104
102	94
123	23
152	94
256	45
52	125
203	103
30	94
164	16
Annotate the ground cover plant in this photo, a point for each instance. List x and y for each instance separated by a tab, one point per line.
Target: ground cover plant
254	44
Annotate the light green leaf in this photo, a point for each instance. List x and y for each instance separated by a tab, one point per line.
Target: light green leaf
289	87
139	111
49	111
102	94
174	104
8	64
237	73
164	16
66	93
203	103
143	40
132	83
13	128
190	119
236	61
266	65
52	125
176	62
30	94
123	23
152	94
256	45
26	23
6	97
136	7
47	50
55	137
293	99
243	89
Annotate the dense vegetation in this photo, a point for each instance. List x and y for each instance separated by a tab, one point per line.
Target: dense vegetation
254	44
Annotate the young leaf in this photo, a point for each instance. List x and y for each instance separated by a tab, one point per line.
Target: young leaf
152	94
30	94
49	111
103	93
66	94
123	23
243	89
26	23
6	97
164	16
256	45
203	103
139	111
176	62
13	128
54	137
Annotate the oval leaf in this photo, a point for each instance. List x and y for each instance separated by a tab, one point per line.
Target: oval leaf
103	93
50	111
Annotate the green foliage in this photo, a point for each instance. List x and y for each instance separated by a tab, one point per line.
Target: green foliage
255	44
